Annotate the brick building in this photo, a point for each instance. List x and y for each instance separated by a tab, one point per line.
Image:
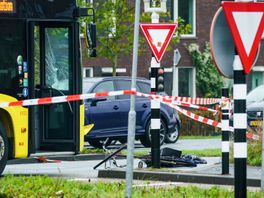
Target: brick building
198	13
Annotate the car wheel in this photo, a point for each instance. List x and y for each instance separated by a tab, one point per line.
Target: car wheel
98	143
3	148
173	136
146	139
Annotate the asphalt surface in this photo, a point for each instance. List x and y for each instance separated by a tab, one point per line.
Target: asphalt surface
203	174
192	144
84	169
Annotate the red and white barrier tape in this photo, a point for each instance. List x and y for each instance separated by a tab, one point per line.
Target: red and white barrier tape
194	116
207	120
61	99
197	101
248	134
178	103
168	100
253	136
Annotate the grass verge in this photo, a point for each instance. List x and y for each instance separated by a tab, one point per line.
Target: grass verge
92	151
43	186
193	137
254	153
199	153
203	153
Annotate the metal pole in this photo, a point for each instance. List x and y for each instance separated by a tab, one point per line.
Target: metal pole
176	59
155	108
262	161
132	112
240	127
225	133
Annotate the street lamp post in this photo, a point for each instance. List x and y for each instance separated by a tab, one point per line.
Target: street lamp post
176	60
155	105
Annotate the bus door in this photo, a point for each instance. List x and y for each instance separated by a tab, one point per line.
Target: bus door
52	49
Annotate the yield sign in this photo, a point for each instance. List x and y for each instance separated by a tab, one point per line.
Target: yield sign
158	36
246	22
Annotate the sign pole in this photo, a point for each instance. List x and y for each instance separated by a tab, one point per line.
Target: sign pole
155	108
246	23
155	105
158	37
225	133
240	127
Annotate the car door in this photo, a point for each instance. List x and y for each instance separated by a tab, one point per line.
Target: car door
143	107
124	104
103	112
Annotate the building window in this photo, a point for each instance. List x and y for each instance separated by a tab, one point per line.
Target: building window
108	71
186	9
88	72
186	82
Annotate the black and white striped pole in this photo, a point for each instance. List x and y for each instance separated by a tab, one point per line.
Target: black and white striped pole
155	117
240	126
225	131
155	105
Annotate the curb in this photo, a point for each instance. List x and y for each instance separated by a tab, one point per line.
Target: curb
177	177
80	157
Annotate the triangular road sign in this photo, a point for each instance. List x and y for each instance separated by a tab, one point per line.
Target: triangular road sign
246	22
158	36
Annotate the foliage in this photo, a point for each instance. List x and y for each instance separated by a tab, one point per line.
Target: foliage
115	29
195	137
208	80
254	153
199	153
254	150
203	153
93	151
43	186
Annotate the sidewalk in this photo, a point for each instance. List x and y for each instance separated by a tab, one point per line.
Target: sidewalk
82	167
210	173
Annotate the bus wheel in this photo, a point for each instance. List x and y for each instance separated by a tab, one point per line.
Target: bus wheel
3	148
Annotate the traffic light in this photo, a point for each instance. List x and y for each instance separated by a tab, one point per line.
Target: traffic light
160	80
91	38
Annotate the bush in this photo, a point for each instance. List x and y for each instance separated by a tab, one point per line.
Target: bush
254	153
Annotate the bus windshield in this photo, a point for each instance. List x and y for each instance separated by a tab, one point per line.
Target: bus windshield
12	54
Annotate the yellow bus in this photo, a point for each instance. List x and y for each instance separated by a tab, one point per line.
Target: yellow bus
40	57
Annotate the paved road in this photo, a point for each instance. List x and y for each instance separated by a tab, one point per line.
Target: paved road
72	169
194	144
84	169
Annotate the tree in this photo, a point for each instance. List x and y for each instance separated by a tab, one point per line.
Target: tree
208	80
115	29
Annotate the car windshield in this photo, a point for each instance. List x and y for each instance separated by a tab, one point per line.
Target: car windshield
256	95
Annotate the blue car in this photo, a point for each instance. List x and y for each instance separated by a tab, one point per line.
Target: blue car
110	114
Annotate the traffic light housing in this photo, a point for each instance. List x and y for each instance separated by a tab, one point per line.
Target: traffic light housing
91	38
160	80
